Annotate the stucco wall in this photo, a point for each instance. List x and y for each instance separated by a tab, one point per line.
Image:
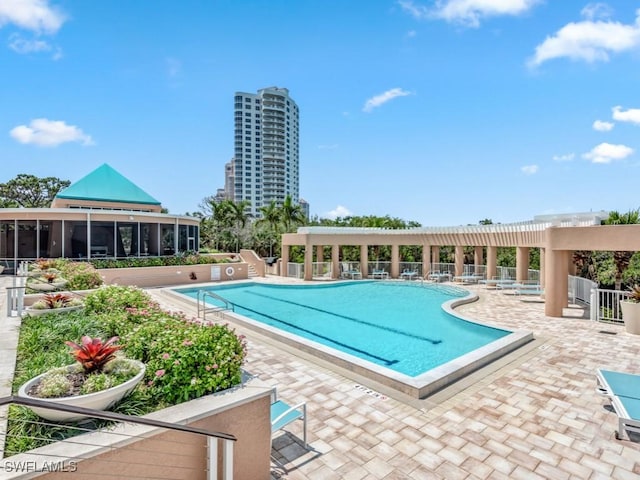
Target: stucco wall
178	275
148	452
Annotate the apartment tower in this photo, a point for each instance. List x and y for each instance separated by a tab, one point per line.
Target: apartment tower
266	154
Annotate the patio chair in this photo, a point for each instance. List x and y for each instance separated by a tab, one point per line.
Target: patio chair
612	383
628	411
623	389
282	414
408	274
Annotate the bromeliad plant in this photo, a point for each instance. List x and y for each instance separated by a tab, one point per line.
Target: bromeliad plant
93	354
52	301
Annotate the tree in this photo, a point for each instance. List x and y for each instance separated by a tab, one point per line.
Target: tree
239	218
29	191
291	214
271	215
622	259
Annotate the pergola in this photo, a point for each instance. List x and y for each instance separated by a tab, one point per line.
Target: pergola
557	237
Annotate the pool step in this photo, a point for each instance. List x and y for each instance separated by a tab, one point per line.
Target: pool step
252	271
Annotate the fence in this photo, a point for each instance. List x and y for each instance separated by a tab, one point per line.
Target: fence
606	305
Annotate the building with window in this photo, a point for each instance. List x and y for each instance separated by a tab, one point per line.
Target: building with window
101	215
266	149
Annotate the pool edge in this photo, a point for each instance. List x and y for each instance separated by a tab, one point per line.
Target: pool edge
418	387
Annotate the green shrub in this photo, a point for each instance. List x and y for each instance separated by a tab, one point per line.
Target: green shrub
116	298
176	260
81	275
186	358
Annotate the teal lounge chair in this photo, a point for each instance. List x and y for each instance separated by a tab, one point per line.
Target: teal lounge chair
623	389
623	384
282	414
628	411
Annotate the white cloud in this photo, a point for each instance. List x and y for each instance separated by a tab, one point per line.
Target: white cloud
467	12
35	15
606	153
529	169
378	100
567	157
596	10
21	45
339	211
588	40
416	11
601	126
412	34
632	115
49	133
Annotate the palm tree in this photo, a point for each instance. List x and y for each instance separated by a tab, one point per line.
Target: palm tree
621	259
271	215
239	218
291	214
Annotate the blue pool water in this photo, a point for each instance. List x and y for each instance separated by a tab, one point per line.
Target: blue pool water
397	325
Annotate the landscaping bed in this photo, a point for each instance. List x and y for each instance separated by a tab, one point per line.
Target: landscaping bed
185	358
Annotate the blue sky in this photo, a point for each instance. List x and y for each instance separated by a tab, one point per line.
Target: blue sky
444	112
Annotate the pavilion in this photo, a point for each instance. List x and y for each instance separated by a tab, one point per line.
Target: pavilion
103	214
557	237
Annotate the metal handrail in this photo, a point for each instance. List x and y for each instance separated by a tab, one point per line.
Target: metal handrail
202	308
117	417
212	437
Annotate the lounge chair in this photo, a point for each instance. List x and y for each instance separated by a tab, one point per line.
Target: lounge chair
612	383
379	274
623	389
409	274
628	411
282	414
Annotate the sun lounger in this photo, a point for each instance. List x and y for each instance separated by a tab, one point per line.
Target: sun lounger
379	274
497	282
409	274
612	383
623	389
628	411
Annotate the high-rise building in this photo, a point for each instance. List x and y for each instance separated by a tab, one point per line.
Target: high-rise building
266	154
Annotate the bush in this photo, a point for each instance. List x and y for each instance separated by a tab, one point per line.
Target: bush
186	358
81	275
179	259
116	299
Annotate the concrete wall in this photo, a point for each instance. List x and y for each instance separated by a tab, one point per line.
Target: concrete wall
175	275
148	452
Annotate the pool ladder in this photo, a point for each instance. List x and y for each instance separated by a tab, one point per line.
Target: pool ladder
203	308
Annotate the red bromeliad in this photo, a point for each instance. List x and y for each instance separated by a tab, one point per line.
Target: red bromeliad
93	354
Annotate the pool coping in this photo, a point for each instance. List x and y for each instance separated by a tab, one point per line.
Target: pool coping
420	386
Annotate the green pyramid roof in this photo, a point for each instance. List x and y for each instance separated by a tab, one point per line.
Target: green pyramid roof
106	185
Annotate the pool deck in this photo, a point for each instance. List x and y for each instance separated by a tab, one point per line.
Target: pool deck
534	414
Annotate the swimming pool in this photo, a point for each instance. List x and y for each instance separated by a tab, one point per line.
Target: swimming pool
395	329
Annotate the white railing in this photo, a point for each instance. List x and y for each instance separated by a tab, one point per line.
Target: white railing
379	266
606	305
321	269
295	270
411	267
581	289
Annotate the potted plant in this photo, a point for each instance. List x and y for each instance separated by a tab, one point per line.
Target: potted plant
54	303
98	380
631	310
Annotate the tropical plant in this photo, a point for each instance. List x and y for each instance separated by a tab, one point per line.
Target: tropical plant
93	353
56	300
634	294
621	259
